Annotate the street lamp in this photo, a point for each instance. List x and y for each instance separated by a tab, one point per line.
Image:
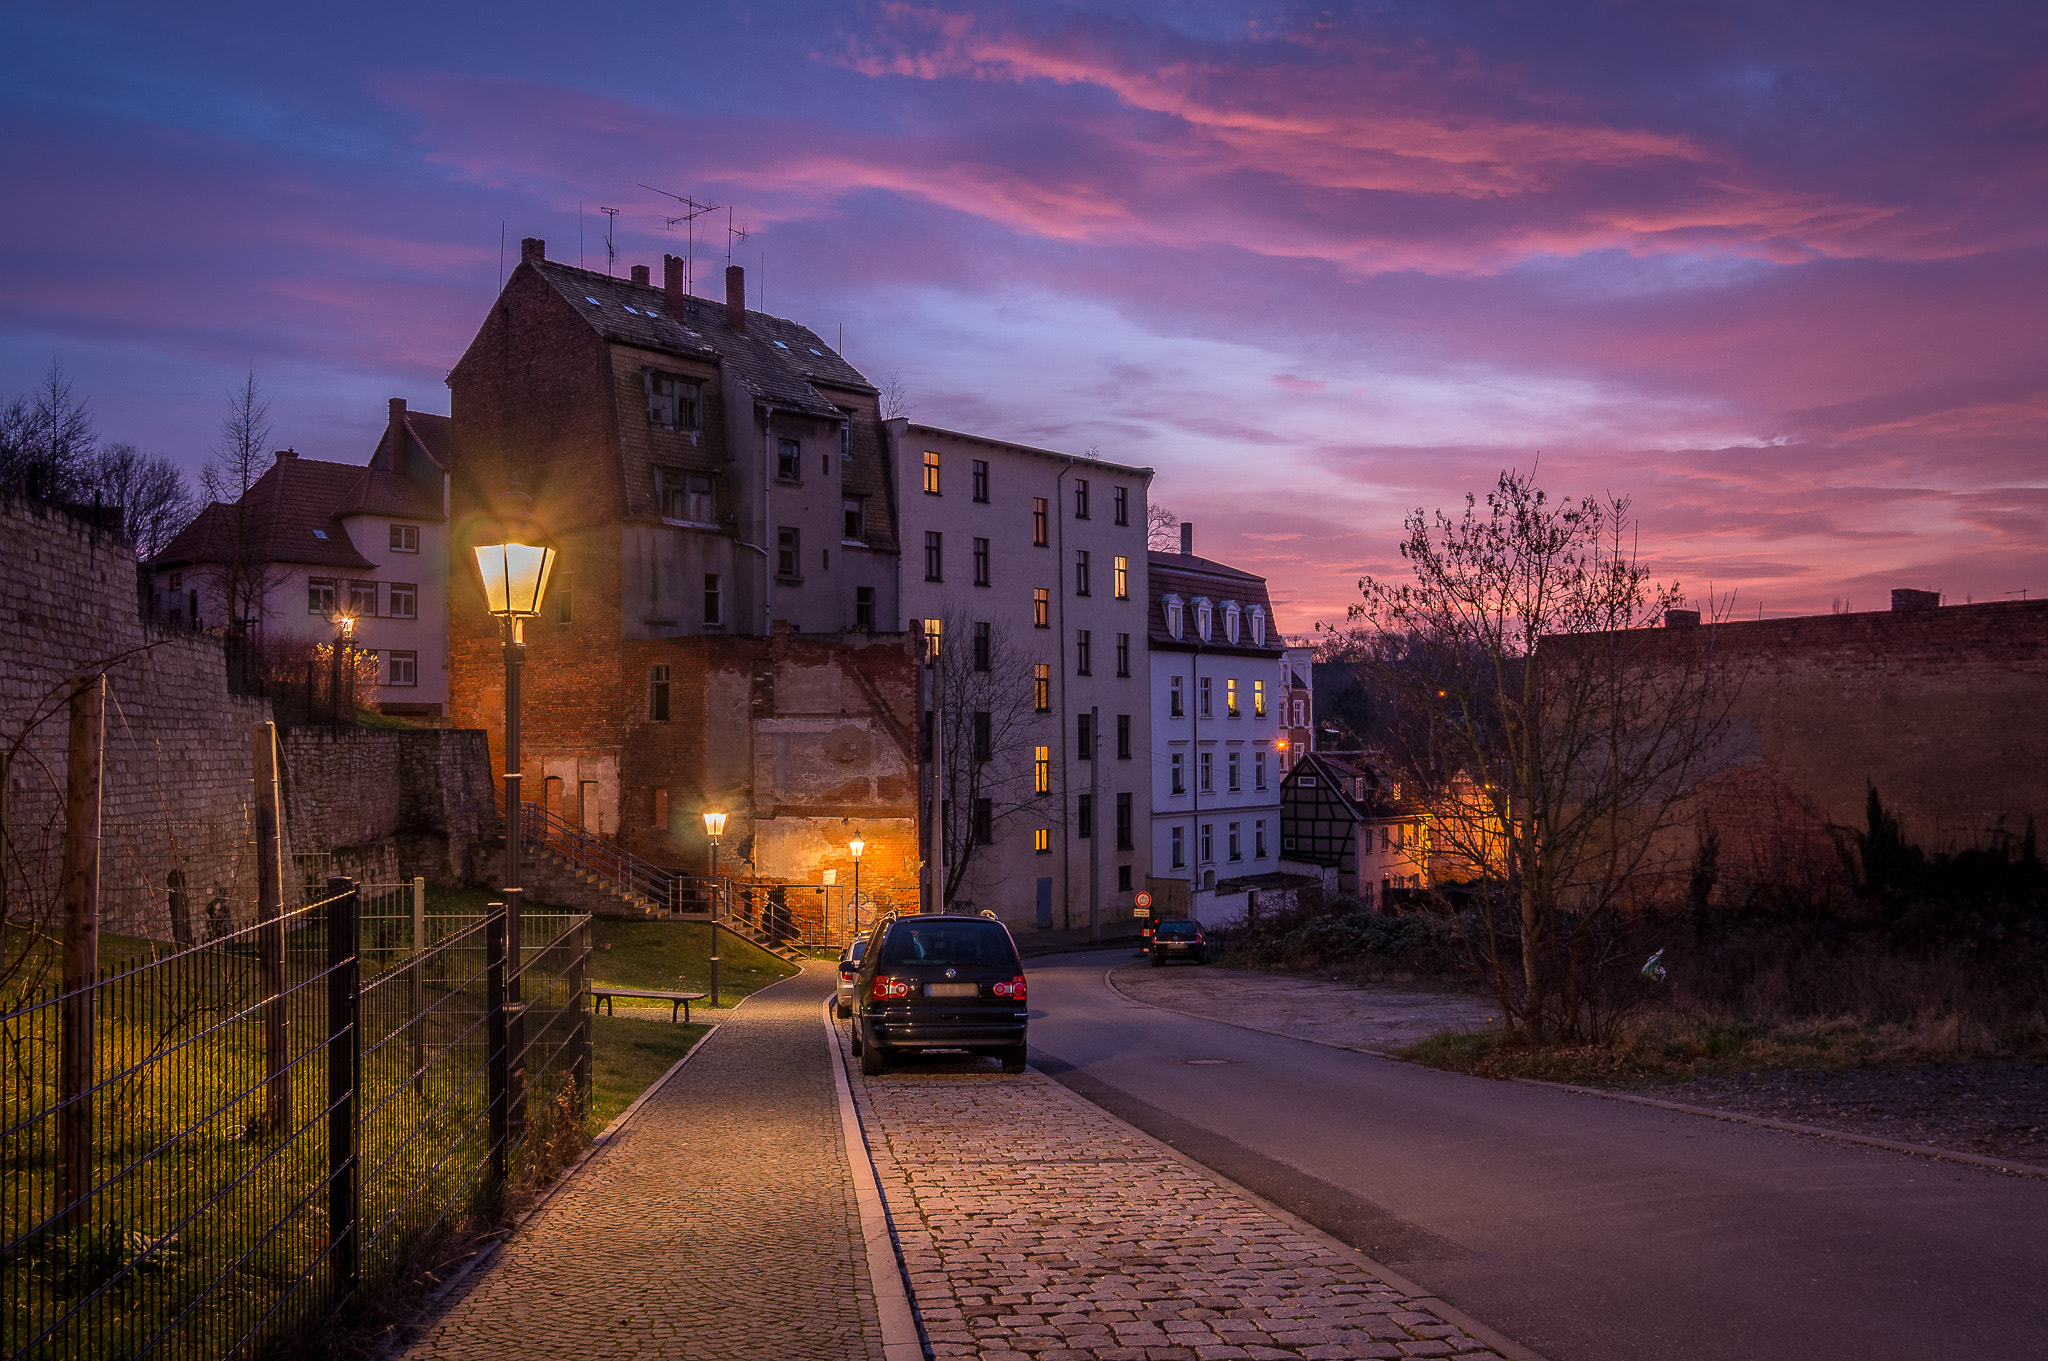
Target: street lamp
714	828
856	846
514	572
344	646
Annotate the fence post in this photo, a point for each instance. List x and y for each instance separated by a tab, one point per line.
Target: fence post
580	981
344	1056
417	985
498	1070
277	1110
81	944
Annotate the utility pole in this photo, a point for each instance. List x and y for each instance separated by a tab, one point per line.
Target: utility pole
270	938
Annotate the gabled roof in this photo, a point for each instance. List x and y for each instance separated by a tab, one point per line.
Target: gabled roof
777	360
291	516
427	434
1375	798
377	492
1188	576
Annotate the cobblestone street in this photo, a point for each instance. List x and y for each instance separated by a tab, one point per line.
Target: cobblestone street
719	1224
1035	1225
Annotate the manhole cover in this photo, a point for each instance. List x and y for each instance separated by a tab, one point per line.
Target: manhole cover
1205	1063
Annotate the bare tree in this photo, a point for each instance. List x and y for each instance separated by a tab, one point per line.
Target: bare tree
1162	529
238	460
1553	737
991	723
150	489
895	397
47	441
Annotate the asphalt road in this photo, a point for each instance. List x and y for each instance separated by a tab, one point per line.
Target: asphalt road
1590	1230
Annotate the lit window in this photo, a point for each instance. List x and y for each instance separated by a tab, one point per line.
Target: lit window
1230	698
1123	578
931	473
1041	687
1038	519
1041	607
405	538
934	638
1041	840
1041	770
1258	699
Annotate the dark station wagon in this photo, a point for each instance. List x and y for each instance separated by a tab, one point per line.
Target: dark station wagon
939	981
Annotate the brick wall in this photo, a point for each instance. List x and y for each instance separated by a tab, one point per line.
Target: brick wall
390	805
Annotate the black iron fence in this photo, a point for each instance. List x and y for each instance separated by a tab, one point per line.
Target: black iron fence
219	1152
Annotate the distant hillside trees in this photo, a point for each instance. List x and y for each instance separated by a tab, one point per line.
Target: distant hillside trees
50	451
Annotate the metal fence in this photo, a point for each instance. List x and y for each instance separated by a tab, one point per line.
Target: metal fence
216	1153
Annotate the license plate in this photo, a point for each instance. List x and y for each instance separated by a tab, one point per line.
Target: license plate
952	990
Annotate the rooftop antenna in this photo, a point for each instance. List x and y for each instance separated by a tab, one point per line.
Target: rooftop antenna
611	217
733	235
2021	592
692	210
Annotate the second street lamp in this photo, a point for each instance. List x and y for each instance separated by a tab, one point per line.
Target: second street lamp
714	828
856	846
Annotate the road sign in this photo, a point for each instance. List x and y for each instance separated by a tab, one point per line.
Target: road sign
1143	899
1141	912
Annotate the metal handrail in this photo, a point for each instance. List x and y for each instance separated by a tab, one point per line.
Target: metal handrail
585	850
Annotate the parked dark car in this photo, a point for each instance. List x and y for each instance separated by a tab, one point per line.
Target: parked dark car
939	981
849	966
1179	940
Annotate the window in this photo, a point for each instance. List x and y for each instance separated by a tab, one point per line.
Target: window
1041	840
1122	502
984	737
320	595
864	608
984	644
1207	765
1259	839
657	694
1230	616
788	554
1230	698
1123	655
1177	839
1174	708
1084	652
362	599
1123	737
1122	580
660	810
1041	608
1123	872
1258	770
672	403
931	473
1207	711
405	668
845	441
1258	699
688	496
404	539
1258	615
405	600
1041	770
565	608
1084	733
789	460
1080	571
1084	816
1203	618
1170	606
1208	843
981	480
934	555
855	510
934	638
1123	832
984	822
1180	779
1041	688
1231	773
1038	525
714	599
1080	498
981	562
1230	841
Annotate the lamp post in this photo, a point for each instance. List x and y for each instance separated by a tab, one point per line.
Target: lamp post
714	828
344	648
514	571
856	846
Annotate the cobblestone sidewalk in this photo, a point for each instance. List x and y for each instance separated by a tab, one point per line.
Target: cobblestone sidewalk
1037	1227
720	1224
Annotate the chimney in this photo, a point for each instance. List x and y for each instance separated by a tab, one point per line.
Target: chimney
284	454
672	284
532	250
397	436
1187	537
1681	619
1916	600
640	275
736	298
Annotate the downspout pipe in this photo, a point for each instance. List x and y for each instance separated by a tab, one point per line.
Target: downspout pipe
1059	594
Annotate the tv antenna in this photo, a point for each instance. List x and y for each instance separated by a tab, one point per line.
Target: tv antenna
611	217
692	210
733	235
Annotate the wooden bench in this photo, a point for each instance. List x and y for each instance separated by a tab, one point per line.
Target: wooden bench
678	1001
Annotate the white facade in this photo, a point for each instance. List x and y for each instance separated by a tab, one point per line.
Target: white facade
1043	554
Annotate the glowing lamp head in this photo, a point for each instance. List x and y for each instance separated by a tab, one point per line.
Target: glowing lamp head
515	568
714	824
857	847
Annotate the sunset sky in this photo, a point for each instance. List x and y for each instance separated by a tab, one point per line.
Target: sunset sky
1778	271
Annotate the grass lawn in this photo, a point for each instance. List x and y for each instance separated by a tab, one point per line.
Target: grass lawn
626	1055
676	957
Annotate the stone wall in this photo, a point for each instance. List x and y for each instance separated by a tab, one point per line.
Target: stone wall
387	805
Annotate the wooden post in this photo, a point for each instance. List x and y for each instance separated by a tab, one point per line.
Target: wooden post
81	944
270	940
344	1078
181	909
580	982
498	1082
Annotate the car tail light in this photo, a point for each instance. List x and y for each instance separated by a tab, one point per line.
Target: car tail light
1014	989
848	972
885	988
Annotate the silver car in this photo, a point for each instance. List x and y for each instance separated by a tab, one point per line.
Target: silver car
849	965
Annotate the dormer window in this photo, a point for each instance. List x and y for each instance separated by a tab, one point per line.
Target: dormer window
1172	606
1258	613
673	403
1230	620
689	497
1204	617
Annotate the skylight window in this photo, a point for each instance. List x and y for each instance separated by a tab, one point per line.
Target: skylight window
592	301
629	308
319	533
780	346
815	350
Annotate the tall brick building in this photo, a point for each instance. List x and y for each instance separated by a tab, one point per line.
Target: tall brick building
713	478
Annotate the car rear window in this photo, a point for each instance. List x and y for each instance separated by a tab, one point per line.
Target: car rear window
948	943
860	947
1176	928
